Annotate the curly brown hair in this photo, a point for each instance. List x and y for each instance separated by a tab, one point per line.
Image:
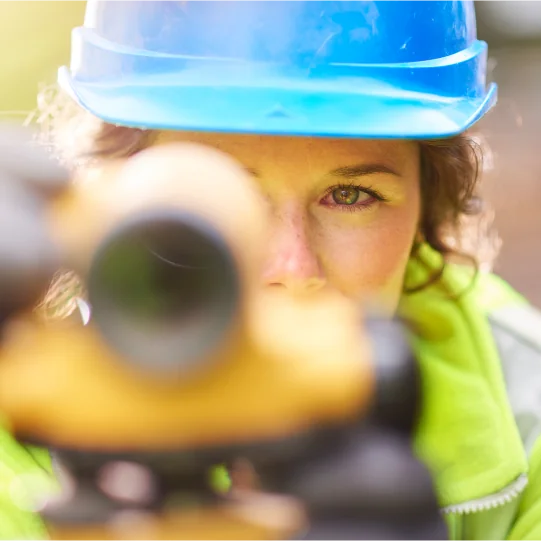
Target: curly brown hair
455	221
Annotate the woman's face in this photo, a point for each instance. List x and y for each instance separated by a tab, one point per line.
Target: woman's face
344	212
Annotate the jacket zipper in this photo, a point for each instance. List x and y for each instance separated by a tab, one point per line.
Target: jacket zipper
506	495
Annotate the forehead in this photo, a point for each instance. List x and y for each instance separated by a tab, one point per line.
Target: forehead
327	153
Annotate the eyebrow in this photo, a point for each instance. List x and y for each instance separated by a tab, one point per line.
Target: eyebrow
362	170
348	171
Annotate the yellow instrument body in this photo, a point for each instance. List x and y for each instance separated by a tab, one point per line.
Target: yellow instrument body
286	366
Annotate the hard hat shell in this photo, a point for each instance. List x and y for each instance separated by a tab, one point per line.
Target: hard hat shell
388	69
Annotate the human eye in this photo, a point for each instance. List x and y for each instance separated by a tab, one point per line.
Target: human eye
351	197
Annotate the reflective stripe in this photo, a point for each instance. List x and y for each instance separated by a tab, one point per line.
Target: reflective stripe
517	333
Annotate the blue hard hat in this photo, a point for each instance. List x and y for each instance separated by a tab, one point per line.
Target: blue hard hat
344	69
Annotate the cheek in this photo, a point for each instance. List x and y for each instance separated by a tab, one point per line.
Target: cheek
367	261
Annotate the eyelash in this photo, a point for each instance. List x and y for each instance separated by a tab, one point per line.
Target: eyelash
356	207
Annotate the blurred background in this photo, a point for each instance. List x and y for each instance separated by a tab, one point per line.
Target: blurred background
512	29
35	36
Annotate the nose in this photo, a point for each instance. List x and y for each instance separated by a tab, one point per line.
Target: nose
292	261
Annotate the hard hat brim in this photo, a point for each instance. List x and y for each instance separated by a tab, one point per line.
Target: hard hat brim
379	112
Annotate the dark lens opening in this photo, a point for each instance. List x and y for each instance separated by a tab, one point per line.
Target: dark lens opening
163	286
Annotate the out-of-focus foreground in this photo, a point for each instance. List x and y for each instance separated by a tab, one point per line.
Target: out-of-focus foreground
35	36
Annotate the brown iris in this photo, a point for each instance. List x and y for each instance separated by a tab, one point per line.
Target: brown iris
345	196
